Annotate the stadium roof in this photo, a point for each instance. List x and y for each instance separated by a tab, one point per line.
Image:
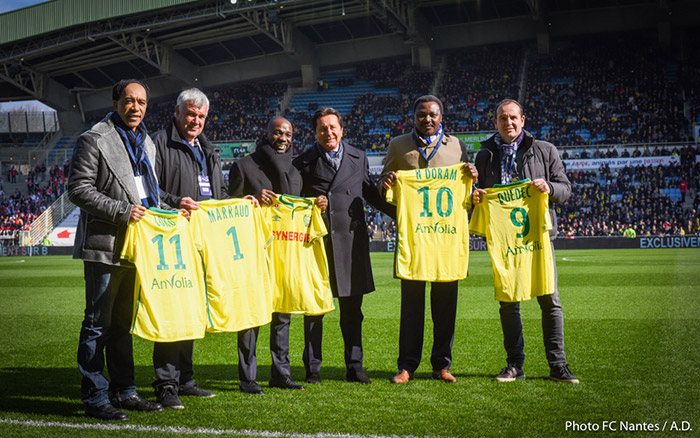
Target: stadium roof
58	50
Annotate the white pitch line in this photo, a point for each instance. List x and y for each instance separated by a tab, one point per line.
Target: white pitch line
190	431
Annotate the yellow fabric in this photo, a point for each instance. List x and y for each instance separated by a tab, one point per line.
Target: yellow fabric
432	223
232	235
170	298
298	257
515	221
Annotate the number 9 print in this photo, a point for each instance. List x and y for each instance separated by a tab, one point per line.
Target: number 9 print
524	222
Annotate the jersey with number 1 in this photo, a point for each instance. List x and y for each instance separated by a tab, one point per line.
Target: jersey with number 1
170	296
514	218
298	257
432	223
232	235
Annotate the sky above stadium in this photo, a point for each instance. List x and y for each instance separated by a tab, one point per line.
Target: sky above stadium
11	5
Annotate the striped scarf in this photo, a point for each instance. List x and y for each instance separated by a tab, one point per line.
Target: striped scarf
134	142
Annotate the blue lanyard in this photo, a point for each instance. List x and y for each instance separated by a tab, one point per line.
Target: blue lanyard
198	155
420	149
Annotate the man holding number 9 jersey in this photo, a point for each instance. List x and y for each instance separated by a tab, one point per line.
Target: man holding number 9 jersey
511	155
427	146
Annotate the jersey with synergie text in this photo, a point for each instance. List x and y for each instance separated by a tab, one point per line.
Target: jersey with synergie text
298	257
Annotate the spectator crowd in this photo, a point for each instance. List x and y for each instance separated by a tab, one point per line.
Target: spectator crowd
595	97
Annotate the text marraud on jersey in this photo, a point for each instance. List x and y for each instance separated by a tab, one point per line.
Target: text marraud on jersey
514	194
436	173
228	212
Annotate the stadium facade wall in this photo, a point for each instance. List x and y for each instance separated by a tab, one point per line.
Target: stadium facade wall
52	16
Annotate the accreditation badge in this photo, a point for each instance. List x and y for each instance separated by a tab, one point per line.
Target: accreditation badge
204	186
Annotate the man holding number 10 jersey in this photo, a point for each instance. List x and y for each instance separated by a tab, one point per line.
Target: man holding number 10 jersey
512	155
427	146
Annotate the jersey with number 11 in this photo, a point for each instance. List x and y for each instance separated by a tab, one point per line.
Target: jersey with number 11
432	223
514	218
170	297
232	236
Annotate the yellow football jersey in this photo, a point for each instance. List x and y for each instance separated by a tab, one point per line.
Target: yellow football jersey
170	298
514	218
432	223
232	235
298	257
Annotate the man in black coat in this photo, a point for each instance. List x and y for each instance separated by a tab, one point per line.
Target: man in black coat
188	170
334	168
266	172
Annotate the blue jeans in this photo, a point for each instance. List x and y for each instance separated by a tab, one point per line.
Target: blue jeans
109	295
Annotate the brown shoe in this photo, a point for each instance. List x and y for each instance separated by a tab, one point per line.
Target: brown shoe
444	375
403	376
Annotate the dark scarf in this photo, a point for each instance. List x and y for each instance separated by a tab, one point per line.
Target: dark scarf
278	168
135	146
508	152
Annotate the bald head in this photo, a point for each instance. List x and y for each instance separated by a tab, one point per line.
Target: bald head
279	134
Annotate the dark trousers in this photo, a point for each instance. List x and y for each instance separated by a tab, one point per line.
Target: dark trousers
104	335
351	328
443	303
172	362
552	328
279	346
247	359
279	349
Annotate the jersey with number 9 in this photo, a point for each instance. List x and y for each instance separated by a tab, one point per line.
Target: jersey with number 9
514	218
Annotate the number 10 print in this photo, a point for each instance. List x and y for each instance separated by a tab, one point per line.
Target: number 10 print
442	212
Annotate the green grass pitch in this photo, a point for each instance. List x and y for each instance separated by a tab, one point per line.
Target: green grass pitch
632	326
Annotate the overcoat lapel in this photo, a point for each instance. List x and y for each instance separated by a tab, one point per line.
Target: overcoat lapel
349	166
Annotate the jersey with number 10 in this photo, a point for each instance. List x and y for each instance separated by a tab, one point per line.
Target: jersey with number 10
432	223
298	257
514	218
170	296
232	236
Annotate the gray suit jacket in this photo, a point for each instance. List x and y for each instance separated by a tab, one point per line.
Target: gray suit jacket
101	182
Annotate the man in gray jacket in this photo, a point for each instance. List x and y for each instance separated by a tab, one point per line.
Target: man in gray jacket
511	155
112	181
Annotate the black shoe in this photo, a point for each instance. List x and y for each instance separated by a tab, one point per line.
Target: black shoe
136	403
353	375
285	383
105	412
313	378
251	387
167	396
510	373
561	373
194	390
